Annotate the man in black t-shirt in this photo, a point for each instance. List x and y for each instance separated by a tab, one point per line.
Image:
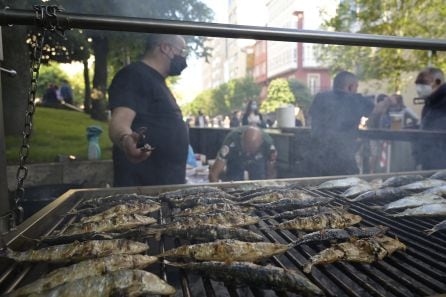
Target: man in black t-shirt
140	100
335	117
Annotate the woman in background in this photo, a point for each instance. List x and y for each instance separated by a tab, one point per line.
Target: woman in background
252	116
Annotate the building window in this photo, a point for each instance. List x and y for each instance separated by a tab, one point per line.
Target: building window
314	83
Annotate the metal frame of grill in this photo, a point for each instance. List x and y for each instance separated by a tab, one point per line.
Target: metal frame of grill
418	271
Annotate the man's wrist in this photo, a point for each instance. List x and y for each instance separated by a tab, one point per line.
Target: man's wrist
121	140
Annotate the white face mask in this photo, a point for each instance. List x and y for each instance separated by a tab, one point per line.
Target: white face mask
423	90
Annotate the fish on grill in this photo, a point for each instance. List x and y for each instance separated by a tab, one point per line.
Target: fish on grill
439	175
207	233
278	195
207	208
356	190
120	222
423	184
77	251
440	190
262	277
227	250
414	201
116	199
224	218
123	209
428	210
387	194
342	183
362	251
117	283
247	195
438	227
401	180
190	202
193	191
341	234
291	204
92	267
323	221
300	212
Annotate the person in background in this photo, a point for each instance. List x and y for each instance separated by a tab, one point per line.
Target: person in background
50	96
200	120
66	92
252	116
408	116
235	119
140	101
335	116
246	148
431	86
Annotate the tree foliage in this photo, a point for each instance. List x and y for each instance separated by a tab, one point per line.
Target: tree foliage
224	99
405	18
279	94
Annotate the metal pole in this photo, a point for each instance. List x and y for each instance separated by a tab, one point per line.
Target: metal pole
5	207
113	23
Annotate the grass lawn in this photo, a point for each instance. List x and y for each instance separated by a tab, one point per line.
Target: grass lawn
58	132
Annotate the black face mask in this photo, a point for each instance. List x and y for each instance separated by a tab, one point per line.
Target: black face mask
177	64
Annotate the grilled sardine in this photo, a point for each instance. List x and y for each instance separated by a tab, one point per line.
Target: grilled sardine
301	212
77	251
113	200
291	204
122	282
320	222
341	234
357	190
278	195
208	208
123	209
226	218
362	251
401	180
428	210
196	201
439	175
342	183
262	277
116	223
414	201
423	184
387	194
93	267
437	227
227	250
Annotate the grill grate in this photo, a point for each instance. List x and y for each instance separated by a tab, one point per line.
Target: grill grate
418	271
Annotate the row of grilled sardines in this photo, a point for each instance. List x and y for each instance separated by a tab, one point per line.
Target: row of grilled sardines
204	214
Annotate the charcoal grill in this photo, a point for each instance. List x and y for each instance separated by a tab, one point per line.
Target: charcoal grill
418	271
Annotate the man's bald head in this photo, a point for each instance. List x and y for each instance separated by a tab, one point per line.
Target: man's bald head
345	81
252	139
430	75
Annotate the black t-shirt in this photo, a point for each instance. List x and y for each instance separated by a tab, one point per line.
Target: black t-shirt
335	116
142	89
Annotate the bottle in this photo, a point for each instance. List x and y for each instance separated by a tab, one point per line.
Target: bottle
94	150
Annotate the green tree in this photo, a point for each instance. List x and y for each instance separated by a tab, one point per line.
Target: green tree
279	94
302	95
408	18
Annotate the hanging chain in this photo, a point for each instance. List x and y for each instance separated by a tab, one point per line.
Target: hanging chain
47	20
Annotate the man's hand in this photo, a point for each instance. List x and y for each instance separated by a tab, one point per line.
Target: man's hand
128	144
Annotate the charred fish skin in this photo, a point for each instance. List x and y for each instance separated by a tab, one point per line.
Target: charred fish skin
120	222
113	200
389	194
428	210
263	277
320	222
196	201
276	196
123	209
126	282
208	233
227	250
401	180
362	251
78	251
340	234
181	193
227	218
93	267
208	208
438	227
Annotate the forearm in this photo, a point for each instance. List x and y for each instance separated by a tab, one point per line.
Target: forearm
271	170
